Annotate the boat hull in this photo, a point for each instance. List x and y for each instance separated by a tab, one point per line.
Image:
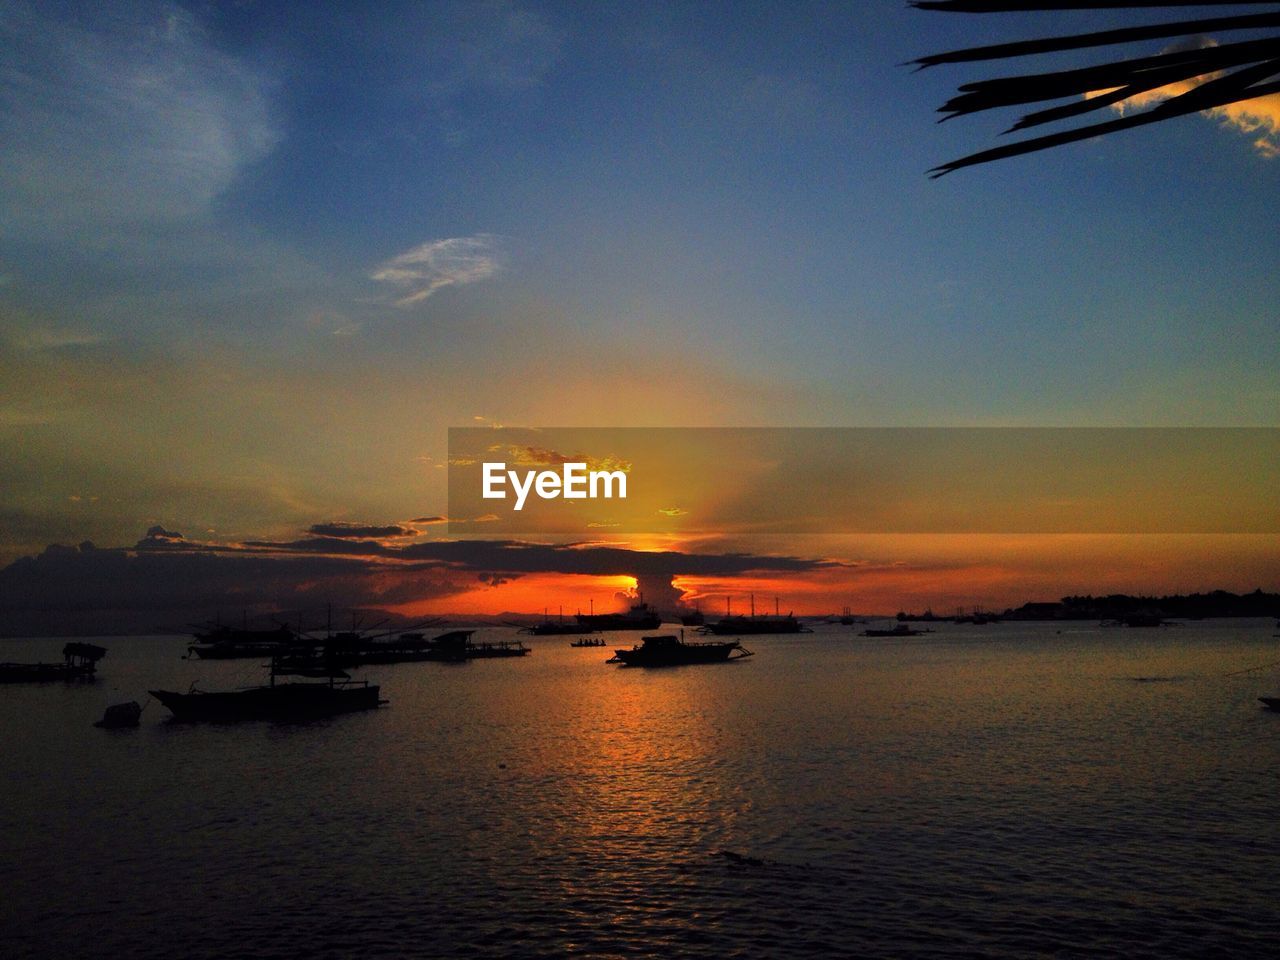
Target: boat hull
669	652
755	626
284	701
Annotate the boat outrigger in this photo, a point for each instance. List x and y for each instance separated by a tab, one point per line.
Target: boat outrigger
670	651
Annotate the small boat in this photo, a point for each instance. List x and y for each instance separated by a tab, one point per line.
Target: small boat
79	662
588	642
121	715
1271	703
293	700
670	651
847	618
901	630
695	619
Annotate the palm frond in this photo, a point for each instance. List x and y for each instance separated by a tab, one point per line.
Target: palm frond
1213	74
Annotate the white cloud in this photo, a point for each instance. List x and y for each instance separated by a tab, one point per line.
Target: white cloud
112	116
431	266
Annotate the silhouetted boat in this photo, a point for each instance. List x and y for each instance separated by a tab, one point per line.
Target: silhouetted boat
1136	620
901	630
454	646
755	625
671	651
1271	703
335	693
231	643
556	628
695	619
641	616
79	662
588	642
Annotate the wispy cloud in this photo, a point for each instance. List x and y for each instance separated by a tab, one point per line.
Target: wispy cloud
117	115
436	264
361	531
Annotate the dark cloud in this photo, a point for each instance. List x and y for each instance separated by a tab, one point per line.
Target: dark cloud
88	590
165	581
357	531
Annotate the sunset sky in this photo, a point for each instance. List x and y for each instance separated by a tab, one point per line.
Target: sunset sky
257	258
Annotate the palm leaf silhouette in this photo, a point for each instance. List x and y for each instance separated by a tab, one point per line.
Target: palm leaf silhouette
1209	75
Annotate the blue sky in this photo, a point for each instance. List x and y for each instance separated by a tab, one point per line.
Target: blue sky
257	257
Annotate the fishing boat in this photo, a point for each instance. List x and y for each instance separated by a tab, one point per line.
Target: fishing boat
452	647
588	642
79	662
901	630
670	651
231	643
754	625
458	645
329	691
555	628
695	619
641	616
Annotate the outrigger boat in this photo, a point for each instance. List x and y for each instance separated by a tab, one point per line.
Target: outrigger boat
754	625
671	651
901	630
293	700
556	628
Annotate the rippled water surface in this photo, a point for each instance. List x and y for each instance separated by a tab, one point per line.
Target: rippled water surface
1006	790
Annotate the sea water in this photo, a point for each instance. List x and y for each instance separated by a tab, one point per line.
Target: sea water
1005	790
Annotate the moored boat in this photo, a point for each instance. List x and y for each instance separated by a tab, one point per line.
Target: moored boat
556	628
901	630
230	643
670	651
756	625
79	662
641	616
292	700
